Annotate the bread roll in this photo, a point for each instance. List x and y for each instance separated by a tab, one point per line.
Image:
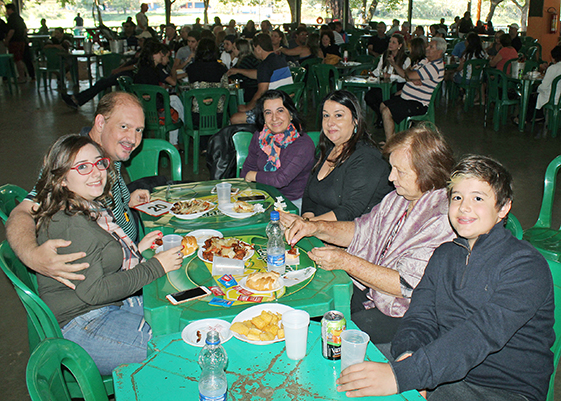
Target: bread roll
189	245
262	281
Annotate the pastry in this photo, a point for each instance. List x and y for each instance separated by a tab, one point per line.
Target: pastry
243	207
262	281
189	245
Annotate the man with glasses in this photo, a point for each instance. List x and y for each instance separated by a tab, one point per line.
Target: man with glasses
117	128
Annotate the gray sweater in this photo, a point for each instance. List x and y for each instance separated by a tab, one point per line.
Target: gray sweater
105	283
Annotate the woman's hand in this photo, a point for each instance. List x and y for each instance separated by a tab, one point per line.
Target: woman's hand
329	257
367	379
391	60
251	176
232	71
172	259
148	241
387	76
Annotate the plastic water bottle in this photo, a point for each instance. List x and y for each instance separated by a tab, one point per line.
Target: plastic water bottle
275	246
213	385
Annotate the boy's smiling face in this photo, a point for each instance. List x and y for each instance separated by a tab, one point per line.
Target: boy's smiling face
473	208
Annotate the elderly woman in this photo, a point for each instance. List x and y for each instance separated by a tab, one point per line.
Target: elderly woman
101	314
350	176
388	248
281	154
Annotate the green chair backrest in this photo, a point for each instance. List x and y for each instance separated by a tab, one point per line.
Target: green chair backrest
294	90
10	197
544	218
315	136
52	59
207	99
514	226
109	62
365	58
555	268
497	83
45	375
532	53
241	144
477	68
125	83
298	74
326	77
556	87
147	94
362	69
530	65
506	66
144	162
311	61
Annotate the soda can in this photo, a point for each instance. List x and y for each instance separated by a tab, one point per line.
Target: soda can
332	325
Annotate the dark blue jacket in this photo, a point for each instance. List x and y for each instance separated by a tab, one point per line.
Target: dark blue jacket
485	316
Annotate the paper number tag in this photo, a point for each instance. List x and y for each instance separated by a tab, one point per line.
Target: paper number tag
155	208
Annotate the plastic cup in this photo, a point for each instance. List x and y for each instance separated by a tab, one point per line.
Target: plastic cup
295	323
223	190
353	347
171	241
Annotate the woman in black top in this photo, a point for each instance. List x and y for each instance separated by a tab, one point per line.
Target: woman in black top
350	176
246	61
249	30
327	44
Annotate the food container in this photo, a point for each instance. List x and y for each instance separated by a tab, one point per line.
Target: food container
221	266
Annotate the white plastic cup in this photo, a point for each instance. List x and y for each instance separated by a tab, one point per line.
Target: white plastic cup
223	190
353	347
295	323
171	241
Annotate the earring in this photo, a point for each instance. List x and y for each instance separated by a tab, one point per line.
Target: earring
355	130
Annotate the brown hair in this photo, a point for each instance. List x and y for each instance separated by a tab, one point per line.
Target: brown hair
52	196
431	157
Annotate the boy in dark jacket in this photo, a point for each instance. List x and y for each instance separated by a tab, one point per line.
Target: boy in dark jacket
480	324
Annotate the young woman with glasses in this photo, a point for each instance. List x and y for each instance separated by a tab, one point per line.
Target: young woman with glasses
101	314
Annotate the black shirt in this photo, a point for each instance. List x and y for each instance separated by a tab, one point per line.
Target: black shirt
16	23
516	43
271	70
249	85
206	71
379	44
331	49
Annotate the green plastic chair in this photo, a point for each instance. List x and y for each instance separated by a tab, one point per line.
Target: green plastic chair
428	116
542	236
108	62
125	83
555	268
514	226
552	109
209	123
366	59
325	77
45	377
506	66
241	144
147	95
298	74
295	91
497	85
10	197
144	162
41	322
50	64
8	70
311	61
473	85
315	137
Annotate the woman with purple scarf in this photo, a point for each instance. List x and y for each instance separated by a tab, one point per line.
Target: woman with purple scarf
280	154
387	249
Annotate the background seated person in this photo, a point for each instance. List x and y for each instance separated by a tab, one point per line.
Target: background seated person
350	176
302	50
59	41
415	95
388	248
378	44
246	61
328	50
281	154
506	52
100	314
186	54
480	324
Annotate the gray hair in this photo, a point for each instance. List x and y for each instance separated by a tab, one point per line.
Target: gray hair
440	44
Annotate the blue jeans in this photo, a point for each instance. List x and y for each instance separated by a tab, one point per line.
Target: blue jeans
112	335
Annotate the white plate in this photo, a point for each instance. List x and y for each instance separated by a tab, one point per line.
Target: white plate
243	284
203	235
228	210
200	255
189	333
193	215
250	313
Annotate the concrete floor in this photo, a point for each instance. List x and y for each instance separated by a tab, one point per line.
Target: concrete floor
30	122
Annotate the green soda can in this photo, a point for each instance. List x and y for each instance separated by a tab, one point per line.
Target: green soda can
332	325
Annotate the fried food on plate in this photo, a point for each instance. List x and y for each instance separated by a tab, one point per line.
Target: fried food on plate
264	327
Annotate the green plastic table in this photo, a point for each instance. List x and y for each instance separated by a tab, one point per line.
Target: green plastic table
526	83
213	220
254	372
361	82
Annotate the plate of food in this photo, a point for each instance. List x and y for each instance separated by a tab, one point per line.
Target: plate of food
238	209
195	333
262	282
191	209
189	243
231	248
204	234
260	324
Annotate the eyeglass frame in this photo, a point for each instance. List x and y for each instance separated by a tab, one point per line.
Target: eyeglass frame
92	166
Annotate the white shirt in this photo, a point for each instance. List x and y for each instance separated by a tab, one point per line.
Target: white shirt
378	72
226	59
544	89
338	38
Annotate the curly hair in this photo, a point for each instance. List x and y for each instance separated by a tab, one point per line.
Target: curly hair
52	196
286	101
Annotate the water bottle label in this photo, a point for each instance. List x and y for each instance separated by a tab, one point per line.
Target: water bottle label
218	398
275	260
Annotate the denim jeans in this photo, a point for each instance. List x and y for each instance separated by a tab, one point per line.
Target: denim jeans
462	390
112	335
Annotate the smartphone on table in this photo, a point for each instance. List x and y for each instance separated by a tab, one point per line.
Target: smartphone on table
188	295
